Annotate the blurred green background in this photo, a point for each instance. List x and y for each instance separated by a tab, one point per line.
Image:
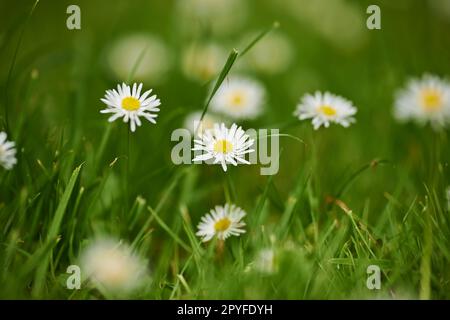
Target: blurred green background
53	100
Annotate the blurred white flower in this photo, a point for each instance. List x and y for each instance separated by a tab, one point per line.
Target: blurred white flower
424	100
149	53
223	145
218	16
7	152
239	98
202	62
112	265
222	222
265	261
129	104
326	108
273	54
192	122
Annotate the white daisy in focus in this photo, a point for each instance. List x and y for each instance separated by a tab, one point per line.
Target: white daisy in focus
325	108
223	145
424	100
202	62
129	104
151	53
192	122
239	98
222	222
7	152
112	265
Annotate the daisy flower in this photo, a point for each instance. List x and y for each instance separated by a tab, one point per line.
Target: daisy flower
325	108
223	145
239	98
112	265
222	222
192	122
424	100
129	104
7	152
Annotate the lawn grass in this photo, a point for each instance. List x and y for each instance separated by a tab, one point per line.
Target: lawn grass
372	194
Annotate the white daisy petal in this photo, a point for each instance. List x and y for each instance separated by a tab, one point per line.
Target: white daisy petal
224	165
139	89
203	157
7	152
114	117
145	95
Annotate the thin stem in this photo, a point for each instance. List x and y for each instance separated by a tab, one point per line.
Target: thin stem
274	26
127	170
234	54
220	249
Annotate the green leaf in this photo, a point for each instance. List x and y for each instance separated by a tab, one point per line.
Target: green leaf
61	209
50	241
275	25
225	70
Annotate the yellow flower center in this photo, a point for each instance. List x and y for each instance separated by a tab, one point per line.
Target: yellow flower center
431	100
237	100
131	104
222	225
327	110
223	146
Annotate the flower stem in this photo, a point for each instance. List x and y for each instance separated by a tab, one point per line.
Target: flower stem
126	172
220	249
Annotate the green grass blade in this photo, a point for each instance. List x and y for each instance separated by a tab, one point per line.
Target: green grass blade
274	26
225	70
61	209
168	230
53	233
